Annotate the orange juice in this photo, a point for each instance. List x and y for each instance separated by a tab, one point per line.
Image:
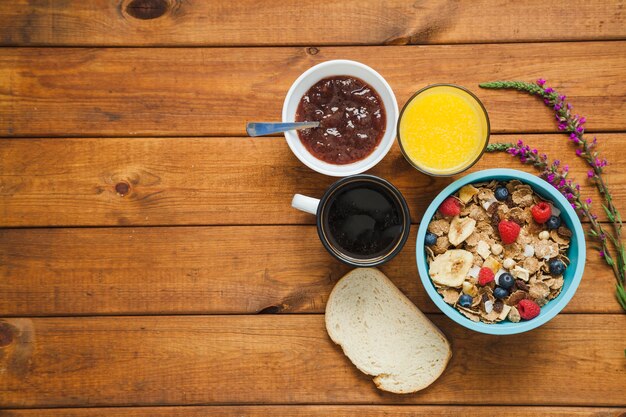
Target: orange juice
443	130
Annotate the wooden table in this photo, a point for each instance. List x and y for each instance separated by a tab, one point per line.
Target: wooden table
150	261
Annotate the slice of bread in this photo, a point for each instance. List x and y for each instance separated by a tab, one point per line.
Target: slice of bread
384	334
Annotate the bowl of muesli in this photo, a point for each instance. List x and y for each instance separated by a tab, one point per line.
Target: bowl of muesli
500	251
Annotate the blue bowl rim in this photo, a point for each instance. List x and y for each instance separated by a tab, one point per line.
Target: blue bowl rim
557	305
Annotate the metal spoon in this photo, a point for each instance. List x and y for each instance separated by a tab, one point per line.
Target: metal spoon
267	128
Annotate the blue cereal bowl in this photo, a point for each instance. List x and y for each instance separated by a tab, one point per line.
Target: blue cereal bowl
576	254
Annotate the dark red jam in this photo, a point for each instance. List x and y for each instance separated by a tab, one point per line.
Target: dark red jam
351	115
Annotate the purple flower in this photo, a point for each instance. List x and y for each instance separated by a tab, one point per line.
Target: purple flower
535	151
590	173
601	254
557	107
562	97
520	143
588	201
573	136
562	182
556	162
580	129
582	120
569	106
573	206
523	159
566	168
579	152
550	178
546	101
549	90
569	196
541	82
562	126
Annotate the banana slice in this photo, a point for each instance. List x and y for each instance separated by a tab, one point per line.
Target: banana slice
467	192
451	268
460	229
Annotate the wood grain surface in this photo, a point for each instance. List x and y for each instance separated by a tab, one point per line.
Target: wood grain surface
204	270
289	359
323	411
275	22
147	248
212	181
214	91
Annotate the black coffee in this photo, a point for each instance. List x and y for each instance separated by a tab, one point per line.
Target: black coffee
364	220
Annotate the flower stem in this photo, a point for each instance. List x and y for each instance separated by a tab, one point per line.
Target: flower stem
574	125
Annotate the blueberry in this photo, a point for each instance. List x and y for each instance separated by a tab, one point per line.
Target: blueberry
501	193
557	267
500	293
465	300
430	239
506	281
553	222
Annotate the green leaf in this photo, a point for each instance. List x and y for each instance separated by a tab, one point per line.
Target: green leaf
499	147
621	295
608	213
530	88
608	259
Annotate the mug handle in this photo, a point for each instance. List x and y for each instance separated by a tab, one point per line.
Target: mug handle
304	203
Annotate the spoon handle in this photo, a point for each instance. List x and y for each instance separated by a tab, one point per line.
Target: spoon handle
261	129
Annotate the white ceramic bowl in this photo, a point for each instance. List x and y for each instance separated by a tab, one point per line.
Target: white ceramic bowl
328	69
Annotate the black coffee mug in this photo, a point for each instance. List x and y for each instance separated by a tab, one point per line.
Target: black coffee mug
362	220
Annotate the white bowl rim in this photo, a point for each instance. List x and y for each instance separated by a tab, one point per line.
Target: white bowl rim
359	166
557	304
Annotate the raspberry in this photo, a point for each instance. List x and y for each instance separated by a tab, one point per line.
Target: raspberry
541	212
485	276
450	207
508	231
528	309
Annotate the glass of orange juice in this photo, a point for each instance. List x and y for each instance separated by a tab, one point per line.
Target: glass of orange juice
443	129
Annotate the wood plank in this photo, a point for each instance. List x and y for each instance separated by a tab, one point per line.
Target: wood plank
207	270
211	92
194	181
290	359
321	411
273	22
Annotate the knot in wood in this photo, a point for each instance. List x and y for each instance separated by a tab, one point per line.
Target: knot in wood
122	188
6	335
147	9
